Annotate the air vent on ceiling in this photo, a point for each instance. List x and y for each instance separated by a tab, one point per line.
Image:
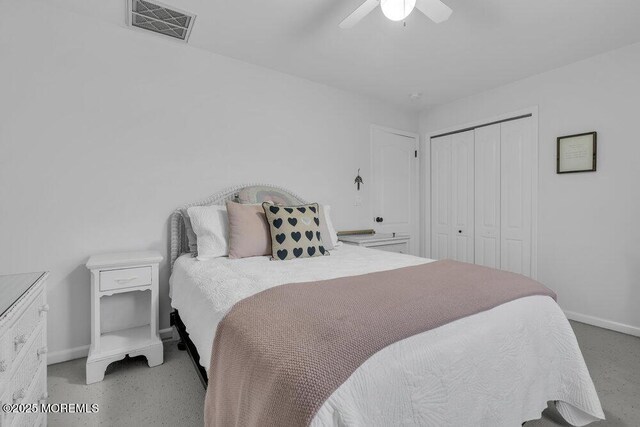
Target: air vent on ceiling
160	18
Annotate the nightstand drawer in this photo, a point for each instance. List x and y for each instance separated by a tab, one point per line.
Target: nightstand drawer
125	278
388	242
401	248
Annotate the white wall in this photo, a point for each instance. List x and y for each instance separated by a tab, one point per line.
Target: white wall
589	237
105	130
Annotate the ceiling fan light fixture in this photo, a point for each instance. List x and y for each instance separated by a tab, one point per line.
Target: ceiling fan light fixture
397	10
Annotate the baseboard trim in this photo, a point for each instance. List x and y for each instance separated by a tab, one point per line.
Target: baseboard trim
67	354
603	323
83	351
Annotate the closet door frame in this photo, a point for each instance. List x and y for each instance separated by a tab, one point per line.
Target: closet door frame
426	170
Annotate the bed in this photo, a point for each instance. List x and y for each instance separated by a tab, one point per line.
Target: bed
497	367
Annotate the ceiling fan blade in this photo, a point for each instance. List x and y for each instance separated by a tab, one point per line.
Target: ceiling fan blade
436	10
362	11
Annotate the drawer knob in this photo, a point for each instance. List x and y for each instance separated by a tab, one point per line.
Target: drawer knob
18	395
20	339
3	365
43	308
42	350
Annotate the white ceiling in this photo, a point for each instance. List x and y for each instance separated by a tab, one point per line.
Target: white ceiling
485	43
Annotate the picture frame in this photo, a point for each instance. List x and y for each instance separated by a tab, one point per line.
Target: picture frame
577	153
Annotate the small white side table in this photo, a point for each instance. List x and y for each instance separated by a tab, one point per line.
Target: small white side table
113	274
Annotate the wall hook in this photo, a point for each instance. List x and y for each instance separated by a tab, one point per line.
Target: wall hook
359	180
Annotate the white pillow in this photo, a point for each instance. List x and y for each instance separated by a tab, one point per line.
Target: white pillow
332	230
211	225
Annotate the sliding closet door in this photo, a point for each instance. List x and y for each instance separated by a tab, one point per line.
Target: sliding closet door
516	146
452	194
482	195
487	196
441	198
462	195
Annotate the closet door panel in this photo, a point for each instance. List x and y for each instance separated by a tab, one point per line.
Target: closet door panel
516	147
462	183
441	197
487	196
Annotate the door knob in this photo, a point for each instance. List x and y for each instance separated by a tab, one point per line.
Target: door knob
379	219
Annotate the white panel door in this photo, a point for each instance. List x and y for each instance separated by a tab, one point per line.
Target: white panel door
441	216
394	184
487	196
516	147
452	195
462	196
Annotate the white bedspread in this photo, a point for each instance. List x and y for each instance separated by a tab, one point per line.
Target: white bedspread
496	368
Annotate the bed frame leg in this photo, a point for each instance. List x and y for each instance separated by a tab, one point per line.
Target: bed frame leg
185	344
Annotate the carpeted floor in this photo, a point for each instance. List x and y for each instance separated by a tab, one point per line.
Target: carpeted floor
171	394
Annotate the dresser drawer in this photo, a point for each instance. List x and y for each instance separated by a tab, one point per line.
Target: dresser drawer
6	356
30	418
27	419
6	418
34	360
125	278
37	395
38	392
27	323
42	420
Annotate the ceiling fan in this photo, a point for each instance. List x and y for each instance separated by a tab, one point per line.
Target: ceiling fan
397	10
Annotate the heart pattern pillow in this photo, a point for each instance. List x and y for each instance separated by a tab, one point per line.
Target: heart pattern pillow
295	231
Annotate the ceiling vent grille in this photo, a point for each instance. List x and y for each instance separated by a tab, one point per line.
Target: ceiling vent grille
160	18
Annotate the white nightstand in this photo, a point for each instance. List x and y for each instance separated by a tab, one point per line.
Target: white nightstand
115	274
383	241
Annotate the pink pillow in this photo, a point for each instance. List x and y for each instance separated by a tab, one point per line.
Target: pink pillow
249	233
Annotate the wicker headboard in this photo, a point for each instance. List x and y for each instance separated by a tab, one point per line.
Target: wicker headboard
179	242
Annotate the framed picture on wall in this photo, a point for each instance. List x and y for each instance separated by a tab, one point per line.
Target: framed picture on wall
577	153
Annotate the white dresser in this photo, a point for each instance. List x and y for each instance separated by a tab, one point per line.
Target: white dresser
383	241
23	346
